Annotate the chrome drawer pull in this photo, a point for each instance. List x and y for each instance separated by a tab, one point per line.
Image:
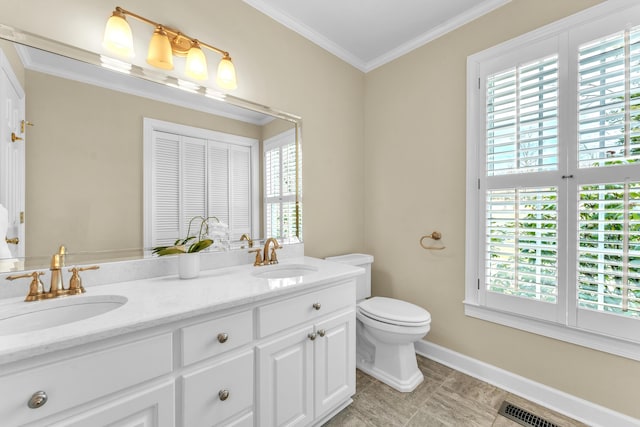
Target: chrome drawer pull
312	337
322	332
223	337
317	305
38	399
223	394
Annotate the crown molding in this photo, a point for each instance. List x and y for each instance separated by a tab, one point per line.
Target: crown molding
364	66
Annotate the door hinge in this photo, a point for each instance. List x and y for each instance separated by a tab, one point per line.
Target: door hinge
478	283
22	217
478	183
478	83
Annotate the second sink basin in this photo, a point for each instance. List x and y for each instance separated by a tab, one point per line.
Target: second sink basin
38	315
283	271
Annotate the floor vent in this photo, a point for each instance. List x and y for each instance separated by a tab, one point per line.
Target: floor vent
523	417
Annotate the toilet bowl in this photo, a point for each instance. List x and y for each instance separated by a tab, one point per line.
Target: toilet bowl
386	331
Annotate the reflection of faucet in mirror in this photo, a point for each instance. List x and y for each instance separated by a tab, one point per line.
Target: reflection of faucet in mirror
248	238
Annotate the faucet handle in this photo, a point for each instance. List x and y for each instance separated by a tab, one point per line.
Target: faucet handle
75	283
274	257
36	288
259	261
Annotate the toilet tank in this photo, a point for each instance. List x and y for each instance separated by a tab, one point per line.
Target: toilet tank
363	282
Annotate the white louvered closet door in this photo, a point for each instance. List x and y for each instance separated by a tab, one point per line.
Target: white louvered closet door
165	202
240	194
218	158
194	183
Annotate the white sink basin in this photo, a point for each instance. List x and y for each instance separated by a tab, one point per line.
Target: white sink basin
38	315
284	271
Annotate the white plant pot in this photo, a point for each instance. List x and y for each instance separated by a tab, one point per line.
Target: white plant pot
189	265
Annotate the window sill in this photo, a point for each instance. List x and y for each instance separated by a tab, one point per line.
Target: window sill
584	338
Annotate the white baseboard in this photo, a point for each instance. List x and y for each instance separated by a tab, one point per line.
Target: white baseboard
559	401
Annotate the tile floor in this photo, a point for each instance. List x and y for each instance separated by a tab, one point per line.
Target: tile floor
446	397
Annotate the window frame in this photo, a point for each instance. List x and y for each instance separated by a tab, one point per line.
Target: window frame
562	34
279	141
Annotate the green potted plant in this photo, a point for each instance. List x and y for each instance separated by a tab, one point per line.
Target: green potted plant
188	249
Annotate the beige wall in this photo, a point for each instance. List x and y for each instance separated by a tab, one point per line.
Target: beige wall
415	184
84	163
14	60
275	67
411	167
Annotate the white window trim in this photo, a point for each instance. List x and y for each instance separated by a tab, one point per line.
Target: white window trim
473	307
151	125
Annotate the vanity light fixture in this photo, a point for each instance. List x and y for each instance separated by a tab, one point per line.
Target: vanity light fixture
166	42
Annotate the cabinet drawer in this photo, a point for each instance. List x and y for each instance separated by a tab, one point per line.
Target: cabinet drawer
308	307
202	401
153	407
74	381
206	339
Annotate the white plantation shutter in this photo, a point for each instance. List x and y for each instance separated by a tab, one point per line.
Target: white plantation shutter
166	188
521	211
522	243
554	146
280	186
609	100
609	248
522	118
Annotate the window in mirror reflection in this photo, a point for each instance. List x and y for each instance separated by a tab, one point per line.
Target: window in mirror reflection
280	185
197	172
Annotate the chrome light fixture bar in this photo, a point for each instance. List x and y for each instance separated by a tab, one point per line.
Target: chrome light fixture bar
166	42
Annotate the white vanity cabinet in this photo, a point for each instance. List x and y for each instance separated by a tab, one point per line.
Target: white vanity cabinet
307	369
285	358
67	382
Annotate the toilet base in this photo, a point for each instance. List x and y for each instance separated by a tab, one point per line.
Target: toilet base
405	385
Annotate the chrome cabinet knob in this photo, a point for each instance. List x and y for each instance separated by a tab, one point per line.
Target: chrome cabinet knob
312	337
223	337
223	394
322	332
38	399
317	305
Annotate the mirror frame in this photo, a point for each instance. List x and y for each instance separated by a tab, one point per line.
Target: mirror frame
162	77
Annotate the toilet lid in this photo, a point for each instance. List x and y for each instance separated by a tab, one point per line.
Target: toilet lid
394	311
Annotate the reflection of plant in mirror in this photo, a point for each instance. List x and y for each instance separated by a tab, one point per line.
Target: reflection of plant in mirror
180	245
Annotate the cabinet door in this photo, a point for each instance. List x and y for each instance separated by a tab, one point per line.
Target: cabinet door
286	375
150	408
335	362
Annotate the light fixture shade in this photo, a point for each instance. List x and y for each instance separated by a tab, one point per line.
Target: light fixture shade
226	77
117	35
159	54
196	66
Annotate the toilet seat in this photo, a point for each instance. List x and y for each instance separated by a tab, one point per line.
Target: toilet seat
395	312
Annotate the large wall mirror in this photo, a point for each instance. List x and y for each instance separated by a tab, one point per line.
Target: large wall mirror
82	135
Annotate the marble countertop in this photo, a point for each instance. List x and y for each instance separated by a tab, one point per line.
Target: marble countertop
162	300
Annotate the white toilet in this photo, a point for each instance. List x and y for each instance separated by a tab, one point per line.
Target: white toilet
386	330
